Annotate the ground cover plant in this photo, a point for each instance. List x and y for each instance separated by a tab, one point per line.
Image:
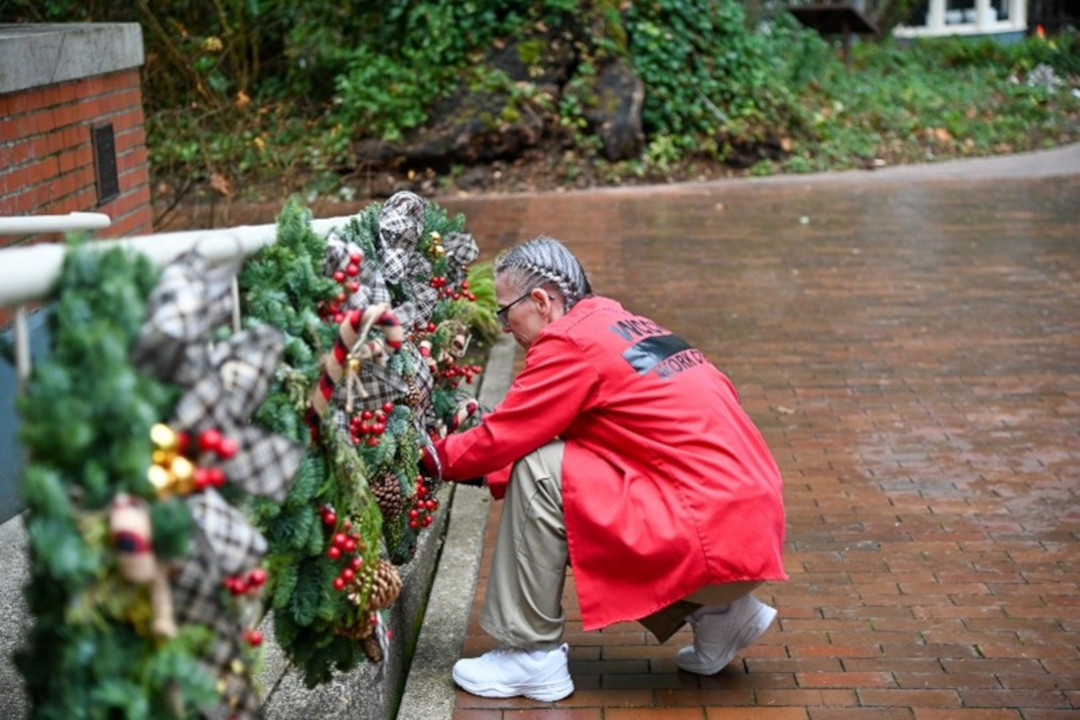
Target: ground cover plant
938	99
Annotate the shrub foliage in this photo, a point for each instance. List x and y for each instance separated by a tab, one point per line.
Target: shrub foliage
257	89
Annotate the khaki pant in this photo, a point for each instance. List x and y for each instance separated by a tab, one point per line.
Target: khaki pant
523	600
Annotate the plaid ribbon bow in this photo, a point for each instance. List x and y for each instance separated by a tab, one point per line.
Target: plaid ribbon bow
224	545
401	223
461	250
373	290
238	377
191	298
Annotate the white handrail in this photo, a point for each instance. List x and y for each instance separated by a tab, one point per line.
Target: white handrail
31	224
30	273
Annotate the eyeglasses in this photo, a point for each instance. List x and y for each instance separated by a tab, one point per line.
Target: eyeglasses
503	313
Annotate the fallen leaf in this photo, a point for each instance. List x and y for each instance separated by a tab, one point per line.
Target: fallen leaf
221	185
942	135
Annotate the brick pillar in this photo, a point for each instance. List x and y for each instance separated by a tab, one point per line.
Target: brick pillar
65	81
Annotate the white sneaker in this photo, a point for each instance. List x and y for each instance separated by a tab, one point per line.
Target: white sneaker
719	634
509	672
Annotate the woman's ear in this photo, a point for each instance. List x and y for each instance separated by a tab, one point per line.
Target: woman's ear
542	300
549	306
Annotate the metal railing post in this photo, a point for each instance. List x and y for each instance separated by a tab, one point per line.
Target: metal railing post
22	348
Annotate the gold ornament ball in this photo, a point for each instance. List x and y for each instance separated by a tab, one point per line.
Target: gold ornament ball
183	472
164	437
182	469
160	478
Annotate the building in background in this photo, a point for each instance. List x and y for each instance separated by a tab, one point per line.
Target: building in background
71	124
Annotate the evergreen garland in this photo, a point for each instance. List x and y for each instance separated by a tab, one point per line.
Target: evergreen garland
281	286
86	416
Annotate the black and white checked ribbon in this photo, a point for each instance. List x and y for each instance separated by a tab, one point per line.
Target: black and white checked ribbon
191	298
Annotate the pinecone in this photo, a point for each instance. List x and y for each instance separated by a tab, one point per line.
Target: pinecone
388	495
364	633
385	588
413	397
370	646
362	629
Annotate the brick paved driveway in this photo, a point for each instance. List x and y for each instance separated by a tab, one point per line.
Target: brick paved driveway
911	349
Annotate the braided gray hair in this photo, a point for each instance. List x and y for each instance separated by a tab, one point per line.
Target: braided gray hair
545	262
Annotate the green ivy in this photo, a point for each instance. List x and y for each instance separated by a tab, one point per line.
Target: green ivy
702	68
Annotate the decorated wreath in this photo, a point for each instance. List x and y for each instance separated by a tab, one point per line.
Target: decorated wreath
143	571
377	317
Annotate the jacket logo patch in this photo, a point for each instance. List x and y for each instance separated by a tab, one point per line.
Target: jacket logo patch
663	355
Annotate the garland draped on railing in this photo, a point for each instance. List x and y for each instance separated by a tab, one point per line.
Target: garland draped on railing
187	475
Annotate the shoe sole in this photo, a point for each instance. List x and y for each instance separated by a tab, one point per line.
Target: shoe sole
754	628
542	693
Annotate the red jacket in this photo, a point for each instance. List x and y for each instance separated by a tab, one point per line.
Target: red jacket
667	484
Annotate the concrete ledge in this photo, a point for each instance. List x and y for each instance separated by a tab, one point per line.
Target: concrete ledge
14	616
36	55
429	691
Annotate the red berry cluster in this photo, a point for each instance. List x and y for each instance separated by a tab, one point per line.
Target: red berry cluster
343	546
426	505
239	585
213	442
243	585
449	370
446	290
452	372
332	310
366	427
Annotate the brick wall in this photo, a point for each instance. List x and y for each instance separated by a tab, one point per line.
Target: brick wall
47	159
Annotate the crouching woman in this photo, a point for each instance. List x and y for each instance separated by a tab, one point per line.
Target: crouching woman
622	451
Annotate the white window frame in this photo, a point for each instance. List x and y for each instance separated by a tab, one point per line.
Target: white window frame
985	23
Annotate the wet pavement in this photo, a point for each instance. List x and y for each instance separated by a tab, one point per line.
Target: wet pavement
909	344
